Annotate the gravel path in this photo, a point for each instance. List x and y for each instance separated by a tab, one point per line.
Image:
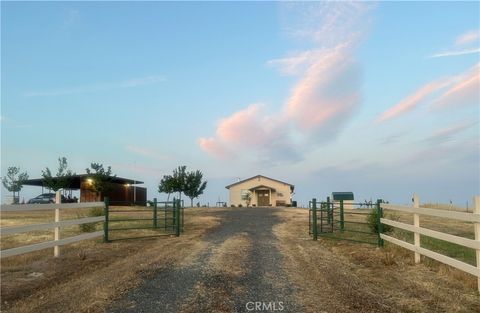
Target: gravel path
210	285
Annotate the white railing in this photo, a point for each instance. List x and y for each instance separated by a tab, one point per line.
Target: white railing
57	242
474	218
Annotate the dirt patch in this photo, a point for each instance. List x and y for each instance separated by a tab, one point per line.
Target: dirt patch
89	275
348	277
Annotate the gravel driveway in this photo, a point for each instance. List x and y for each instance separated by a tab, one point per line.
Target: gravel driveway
239	271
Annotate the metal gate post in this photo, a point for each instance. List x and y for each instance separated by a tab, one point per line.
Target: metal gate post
322	205
379	223
155	223
329	209
314	218
342	217
177	218
105	223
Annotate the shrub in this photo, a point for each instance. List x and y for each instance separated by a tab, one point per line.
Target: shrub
373	223
90	227
233	205
240	205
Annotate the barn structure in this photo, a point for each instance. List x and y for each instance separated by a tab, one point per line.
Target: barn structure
262	191
122	191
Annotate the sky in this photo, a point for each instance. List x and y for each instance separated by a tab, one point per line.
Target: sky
381	99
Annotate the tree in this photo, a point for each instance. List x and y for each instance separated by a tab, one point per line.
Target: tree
166	185
178	180
63	178
194	186
101	178
181	181
248	198
14	181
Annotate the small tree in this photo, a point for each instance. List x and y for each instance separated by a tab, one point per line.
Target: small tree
248	198
63	177
167	185
101	178
194	186
14	181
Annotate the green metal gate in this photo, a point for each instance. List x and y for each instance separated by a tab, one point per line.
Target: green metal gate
159	219
332	220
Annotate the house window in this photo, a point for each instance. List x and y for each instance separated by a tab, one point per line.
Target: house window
244	193
279	194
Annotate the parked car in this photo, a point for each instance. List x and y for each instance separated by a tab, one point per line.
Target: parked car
45	198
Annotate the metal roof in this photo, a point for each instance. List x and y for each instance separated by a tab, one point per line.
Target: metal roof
77	179
343	196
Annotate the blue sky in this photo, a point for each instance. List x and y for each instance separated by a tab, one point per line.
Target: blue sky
381	99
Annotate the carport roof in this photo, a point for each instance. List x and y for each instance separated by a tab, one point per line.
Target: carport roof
77	179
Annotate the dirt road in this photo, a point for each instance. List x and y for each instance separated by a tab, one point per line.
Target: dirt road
240	271
262	260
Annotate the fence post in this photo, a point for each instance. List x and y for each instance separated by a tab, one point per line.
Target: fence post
476	210
155	223
342	218
416	223
58	200
314	219
328	210
105	223
379	223
177	218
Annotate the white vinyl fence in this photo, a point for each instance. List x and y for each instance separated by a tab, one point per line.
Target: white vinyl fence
55	226
474	218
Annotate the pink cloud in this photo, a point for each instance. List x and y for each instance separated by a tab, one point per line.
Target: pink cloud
245	127
467	37
465	90
321	102
327	94
412	101
214	147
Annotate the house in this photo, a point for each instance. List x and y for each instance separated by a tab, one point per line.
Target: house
263	191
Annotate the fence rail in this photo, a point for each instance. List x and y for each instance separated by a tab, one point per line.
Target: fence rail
53	225
474	218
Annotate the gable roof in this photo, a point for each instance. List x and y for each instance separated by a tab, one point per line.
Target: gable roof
257	176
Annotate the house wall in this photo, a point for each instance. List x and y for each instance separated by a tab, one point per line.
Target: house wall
282	191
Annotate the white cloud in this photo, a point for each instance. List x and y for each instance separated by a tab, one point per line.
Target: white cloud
455	53
130	83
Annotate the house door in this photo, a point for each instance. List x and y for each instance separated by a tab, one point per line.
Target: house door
263	197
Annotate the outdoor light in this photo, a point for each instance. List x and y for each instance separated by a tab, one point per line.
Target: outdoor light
127	185
89	180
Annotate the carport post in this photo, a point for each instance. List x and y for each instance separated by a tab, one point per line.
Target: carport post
105	223
342	218
155	224
314	218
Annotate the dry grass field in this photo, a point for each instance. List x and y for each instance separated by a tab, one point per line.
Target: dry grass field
358	275
327	275
90	274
